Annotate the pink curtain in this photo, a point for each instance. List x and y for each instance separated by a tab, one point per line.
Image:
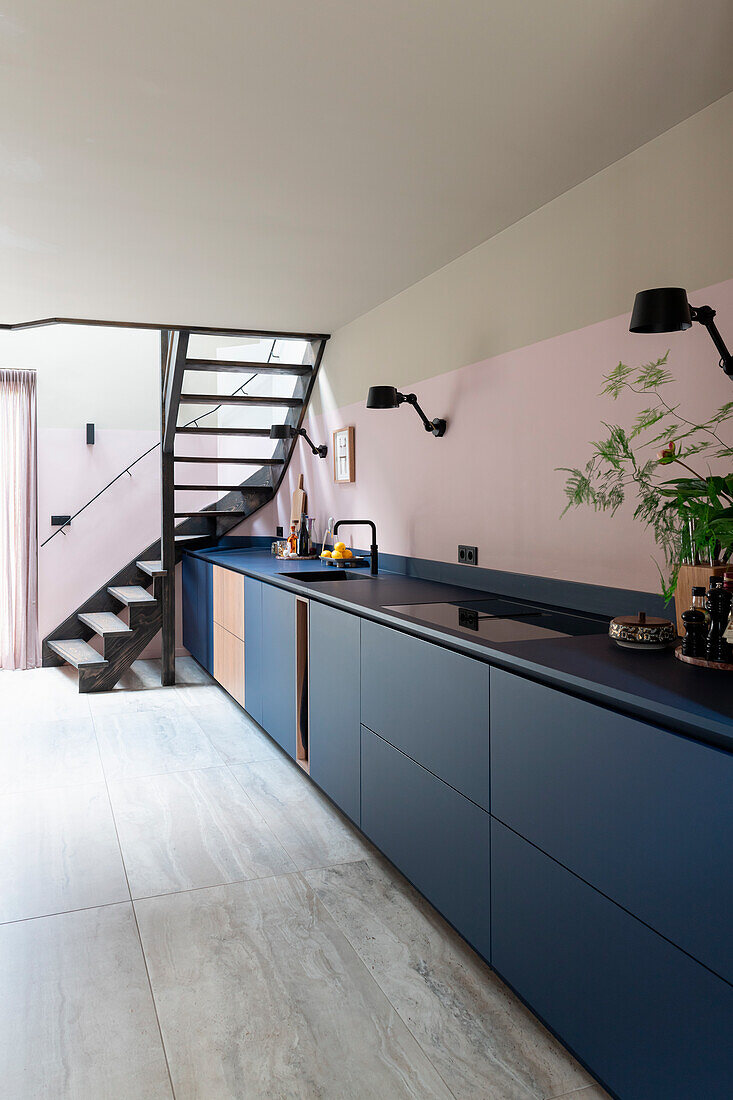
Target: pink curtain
20	645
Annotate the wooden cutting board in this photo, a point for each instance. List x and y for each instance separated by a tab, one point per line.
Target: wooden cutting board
300	502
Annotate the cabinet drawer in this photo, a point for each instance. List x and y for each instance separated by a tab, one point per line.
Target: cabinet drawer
196	584
640	813
278	666
429	702
253	647
437	838
335	757
228	597
229	663
646	1018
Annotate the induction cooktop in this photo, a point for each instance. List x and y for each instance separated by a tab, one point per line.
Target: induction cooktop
495	619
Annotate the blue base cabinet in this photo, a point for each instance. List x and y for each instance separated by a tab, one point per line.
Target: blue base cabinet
435	836
253	667
649	1021
430	703
278	666
642	814
334	692
197	605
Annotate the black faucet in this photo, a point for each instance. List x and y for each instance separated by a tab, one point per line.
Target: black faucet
374	549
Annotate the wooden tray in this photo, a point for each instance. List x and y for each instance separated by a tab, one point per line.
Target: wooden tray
721	666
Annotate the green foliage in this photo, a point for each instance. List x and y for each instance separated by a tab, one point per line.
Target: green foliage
691	518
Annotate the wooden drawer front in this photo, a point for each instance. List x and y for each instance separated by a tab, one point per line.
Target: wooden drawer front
253	647
642	814
647	1019
229	662
437	838
429	702
335	755
229	600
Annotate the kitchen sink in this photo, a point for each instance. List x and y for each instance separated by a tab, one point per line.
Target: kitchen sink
332	574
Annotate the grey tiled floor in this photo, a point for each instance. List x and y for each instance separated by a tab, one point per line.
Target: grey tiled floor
183	914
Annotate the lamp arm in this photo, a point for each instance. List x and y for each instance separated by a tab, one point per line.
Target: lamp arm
411	399
321	451
705	316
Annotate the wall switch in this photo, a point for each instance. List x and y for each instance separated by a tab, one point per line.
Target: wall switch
468	555
279	532
90	434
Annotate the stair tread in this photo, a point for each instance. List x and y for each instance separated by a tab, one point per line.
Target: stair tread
261	432
77	652
212	488
228	461
210	512
104	622
239	399
152	568
235	365
131	593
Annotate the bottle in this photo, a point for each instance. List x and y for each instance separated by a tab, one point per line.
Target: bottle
302	543
728	586
292	540
699	602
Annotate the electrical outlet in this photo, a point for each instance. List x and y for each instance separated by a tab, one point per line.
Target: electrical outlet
468	555
278	532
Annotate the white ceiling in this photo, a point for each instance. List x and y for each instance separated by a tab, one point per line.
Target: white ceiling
292	163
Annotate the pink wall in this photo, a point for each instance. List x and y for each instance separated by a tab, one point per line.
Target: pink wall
115	529
491	481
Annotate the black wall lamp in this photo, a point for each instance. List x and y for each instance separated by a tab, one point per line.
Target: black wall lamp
287	431
387	397
666	309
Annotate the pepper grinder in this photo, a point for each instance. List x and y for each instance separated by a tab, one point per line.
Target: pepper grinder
694	643
719	600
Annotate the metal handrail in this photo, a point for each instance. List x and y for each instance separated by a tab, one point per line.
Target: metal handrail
66	523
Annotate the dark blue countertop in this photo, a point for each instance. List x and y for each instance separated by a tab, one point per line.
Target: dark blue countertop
653	686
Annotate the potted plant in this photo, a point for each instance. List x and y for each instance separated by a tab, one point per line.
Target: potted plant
691	516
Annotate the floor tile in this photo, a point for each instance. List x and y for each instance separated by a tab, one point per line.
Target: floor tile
308	826
235	735
120	701
593	1092
260	996
480	1038
49	753
76	1016
59	851
203	695
146	674
184	830
146	742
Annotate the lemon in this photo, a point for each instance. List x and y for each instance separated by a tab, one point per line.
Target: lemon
338	554
326	554
347	553
340	546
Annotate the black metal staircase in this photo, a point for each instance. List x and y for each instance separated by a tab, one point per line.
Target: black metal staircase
148	612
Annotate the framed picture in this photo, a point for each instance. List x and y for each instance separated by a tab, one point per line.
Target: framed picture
343	455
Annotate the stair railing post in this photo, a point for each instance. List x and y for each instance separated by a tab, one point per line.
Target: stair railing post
174	345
